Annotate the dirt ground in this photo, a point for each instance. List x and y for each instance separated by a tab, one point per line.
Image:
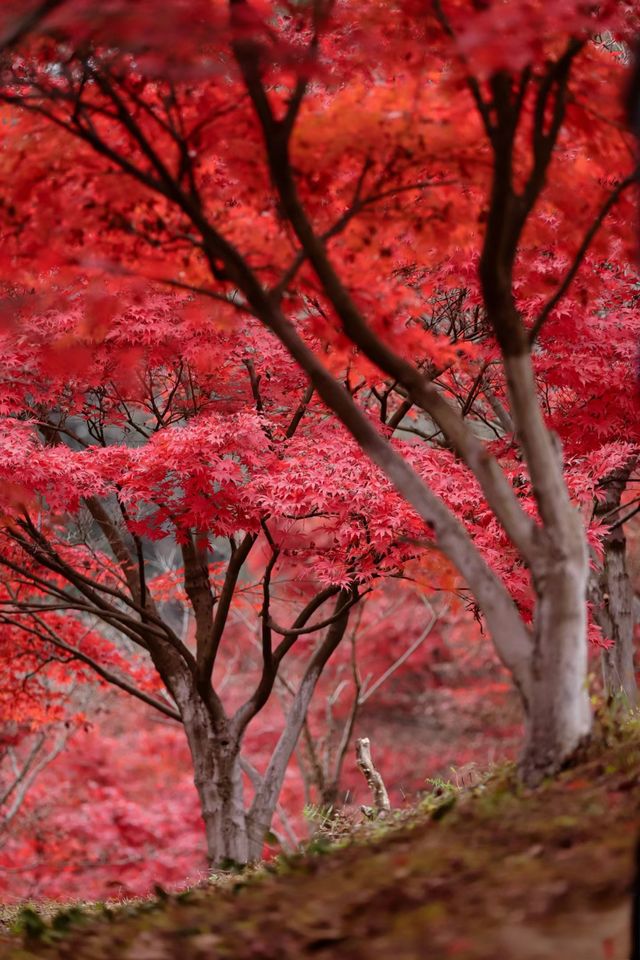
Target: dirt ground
490	872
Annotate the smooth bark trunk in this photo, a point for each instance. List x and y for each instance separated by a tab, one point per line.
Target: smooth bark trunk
264	804
267	795
558	713
235	834
557	710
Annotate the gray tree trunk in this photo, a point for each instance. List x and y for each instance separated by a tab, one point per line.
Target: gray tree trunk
268	791
616	619
218	780
558	713
613	600
215	753
557	708
235	834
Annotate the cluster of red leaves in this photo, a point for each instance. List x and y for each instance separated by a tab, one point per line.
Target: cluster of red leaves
116	813
180	408
111	816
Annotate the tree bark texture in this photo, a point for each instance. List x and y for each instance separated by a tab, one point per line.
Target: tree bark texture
615	617
557	712
613	599
235	833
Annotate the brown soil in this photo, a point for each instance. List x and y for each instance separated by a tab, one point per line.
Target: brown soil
491	872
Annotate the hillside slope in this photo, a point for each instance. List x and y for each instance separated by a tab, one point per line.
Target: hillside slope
493	872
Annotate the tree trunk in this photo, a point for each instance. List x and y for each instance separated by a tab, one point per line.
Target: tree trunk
613	612
558	713
266	798
218	780
613	600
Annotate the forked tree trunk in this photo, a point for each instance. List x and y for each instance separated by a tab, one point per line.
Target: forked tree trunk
266	798
235	834
558	714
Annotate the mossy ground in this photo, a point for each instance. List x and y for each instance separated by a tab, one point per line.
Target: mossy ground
496	871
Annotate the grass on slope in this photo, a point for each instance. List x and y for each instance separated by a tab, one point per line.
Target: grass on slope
497	871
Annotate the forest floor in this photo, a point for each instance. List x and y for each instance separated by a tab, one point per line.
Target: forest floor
473	873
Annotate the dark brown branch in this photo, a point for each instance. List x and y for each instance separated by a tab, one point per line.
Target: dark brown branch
508	210
197	585
496	486
145	596
48	635
271	659
254	379
269	665
357	205
314	604
204	292
43	551
544	141
622	520
582	251
118	546
297	632
238	557
151	629
483	106
398	415
300	412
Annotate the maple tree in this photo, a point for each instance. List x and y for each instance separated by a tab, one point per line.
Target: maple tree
596	420
116	812
419	208
218	448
